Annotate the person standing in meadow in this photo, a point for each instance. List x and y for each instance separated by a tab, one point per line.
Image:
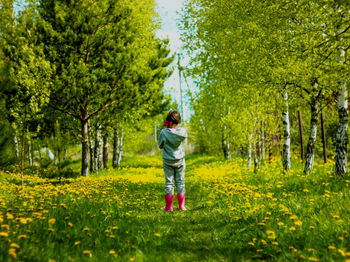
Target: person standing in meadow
170	140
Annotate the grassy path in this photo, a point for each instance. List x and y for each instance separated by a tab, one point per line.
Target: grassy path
232	215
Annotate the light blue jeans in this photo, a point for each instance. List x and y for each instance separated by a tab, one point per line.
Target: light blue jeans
174	171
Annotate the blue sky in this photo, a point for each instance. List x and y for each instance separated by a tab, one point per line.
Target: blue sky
168	11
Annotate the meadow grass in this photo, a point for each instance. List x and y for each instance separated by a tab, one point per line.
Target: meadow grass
233	214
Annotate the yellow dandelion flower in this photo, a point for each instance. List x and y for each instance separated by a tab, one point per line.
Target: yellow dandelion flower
332	247
70	224
259	250
275	243
293	217
77	243
311	250
85	229
270	234
313	259
12	253
7	227
341	252
341	238
263	242
4	234
22	236
87	252
251	243
298	223
292	229
14	245
52	220
112	252
157	234
23	220
280	223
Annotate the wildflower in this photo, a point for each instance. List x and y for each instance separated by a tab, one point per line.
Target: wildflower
9	216
259	250
76	243
292	229
341	238
313	259
335	217
302	257
4	234
263	242
157	234
312	227
70	224
298	223
14	245
23	220
293	217
112	252
12	253
280	223
7	227
85	229
22	236
270	234
275	243
87	252
251	243
341	252
311	250
52	221
331	247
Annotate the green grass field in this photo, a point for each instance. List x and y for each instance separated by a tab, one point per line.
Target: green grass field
233	215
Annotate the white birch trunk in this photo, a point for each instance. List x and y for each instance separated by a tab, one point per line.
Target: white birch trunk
15	140
98	151
249	152
225	145
286	133
310	150
120	146
262	148
341	160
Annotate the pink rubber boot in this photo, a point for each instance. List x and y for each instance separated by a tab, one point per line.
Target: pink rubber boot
181	199
169	202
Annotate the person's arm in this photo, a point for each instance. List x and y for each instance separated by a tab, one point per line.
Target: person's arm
161	140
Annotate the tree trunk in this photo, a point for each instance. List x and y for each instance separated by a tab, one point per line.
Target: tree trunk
15	140
225	145
22	157
256	157
85	148
286	133
310	149
120	146
262	147
301	137
324	141
249	152
105	151
98	151
30	156
58	143
92	155
341	160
